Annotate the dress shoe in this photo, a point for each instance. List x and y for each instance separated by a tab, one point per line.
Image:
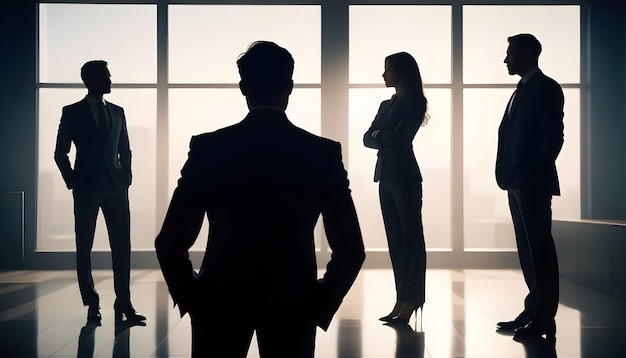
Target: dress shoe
534	330
93	313
510	325
128	312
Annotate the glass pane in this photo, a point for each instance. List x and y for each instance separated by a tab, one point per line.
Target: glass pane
567	206
195	111
55	204
487	219
485	33
422	31
72	34
206	40
432	147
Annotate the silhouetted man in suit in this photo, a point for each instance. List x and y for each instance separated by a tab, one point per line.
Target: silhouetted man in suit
530	138
99	180
262	183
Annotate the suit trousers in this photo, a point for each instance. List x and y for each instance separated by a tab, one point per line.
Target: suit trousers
113	201
401	205
532	220
225	329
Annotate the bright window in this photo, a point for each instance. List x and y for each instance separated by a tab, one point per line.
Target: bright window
206	40
200	85
425	33
487	219
72	34
378	31
55	215
486	28
124	36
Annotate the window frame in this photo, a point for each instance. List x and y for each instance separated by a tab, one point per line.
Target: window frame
334	86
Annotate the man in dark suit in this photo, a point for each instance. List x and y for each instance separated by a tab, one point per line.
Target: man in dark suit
262	183
530	138
99	180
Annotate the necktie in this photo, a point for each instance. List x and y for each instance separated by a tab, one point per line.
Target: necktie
103	121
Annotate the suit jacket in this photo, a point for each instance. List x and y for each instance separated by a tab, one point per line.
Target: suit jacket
397	125
95	156
530	137
262	183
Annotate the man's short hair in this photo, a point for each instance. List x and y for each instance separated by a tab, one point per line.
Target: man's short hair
526	42
90	68
266	68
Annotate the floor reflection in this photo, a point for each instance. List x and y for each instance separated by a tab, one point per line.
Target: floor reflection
409	343
538	347
41	315
87	340
121	345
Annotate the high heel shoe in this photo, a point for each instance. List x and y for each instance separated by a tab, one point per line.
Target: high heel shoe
403	319
397	320
394	312
421	309
387	318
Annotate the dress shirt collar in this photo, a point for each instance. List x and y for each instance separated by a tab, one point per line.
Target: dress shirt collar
264	107
530	73
93	102
270	116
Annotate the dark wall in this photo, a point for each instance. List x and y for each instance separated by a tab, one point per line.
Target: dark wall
603	177
18	146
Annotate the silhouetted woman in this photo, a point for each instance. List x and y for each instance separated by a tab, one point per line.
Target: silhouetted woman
400	181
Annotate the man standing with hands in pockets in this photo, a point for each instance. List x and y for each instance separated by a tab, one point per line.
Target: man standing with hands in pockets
530	138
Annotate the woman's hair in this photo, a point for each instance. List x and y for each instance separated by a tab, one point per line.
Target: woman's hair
406	68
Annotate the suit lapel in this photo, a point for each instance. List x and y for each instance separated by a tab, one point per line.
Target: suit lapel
507	113
392	108
519	98
387	112
524	92
87	115
110	111
389	109
115	117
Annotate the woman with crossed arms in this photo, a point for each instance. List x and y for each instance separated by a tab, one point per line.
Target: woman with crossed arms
400	182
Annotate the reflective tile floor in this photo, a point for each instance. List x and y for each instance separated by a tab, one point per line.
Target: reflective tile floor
41	316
